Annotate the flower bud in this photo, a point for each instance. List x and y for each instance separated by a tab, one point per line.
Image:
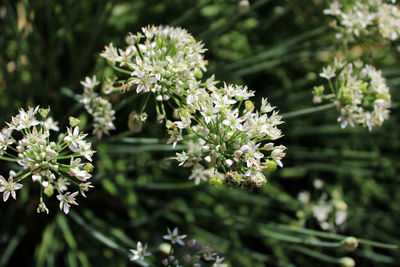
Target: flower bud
347	262
269	146
349	243
73	121
249	105
165	248
44	112
216	180
89	167
135	123
271	165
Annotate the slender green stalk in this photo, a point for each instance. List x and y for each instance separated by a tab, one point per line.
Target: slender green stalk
307	111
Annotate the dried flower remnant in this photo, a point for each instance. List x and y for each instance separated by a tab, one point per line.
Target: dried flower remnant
359	92
100	108
52	164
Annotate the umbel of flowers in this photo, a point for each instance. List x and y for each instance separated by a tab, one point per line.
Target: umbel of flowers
229	141
53	164
100	109
359	92
161	60
361	18
190	253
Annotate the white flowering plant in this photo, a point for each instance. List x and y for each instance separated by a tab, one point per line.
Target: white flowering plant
157	112
229	141
359	92
54	165
357	19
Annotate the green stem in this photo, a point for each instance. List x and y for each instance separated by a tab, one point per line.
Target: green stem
121	70
307	111
23	177
8	159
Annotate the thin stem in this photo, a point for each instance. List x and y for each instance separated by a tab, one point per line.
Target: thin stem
307	111
8	159
121	70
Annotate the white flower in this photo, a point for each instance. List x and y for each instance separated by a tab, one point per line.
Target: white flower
328	72
8	188
90	82
111	53
66	200
174	237
140	252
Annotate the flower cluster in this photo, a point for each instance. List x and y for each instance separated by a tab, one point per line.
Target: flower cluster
161	60
330	213
366	18
100	109
196	255
359	92
52	164
229	141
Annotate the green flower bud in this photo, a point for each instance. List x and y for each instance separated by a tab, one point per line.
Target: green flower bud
349	243
89	167
318	90
216	180
48	191
271	165
44	112
340	205
249	105
199	74
73	121
347	262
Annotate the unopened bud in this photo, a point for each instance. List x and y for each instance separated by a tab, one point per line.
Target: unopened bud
347	262
216	180
349	243
135	123
249	105
44	112
73	121
89	167
271	165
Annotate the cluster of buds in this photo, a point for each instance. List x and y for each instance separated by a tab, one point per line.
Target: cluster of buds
54	165
359	92
99	108
196	255
228	140
355	19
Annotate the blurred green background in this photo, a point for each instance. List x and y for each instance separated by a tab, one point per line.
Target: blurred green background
277	48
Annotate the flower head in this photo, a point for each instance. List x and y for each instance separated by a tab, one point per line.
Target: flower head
43	160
